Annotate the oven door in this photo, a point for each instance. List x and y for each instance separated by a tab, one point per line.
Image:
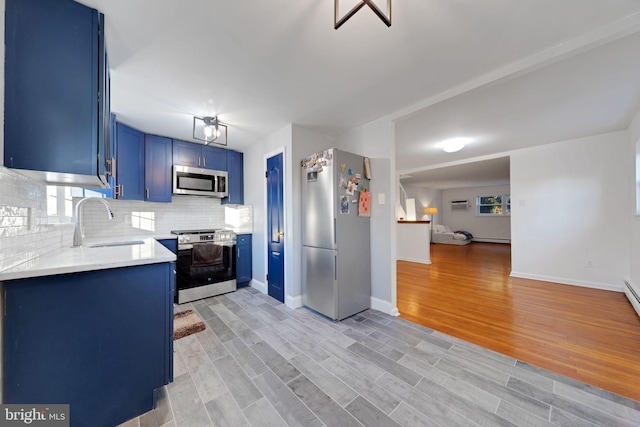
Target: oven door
197	278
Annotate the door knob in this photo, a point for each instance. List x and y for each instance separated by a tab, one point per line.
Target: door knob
281	234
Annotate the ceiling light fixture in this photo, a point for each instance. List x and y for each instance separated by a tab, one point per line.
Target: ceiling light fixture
339	21
454	144
209	129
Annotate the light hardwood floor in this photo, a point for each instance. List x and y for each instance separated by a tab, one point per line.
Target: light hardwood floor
586	334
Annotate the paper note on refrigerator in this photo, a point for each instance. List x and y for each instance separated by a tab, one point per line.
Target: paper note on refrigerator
364	206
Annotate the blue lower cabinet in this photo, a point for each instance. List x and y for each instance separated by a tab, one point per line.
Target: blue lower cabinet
100	341
243	259
171	244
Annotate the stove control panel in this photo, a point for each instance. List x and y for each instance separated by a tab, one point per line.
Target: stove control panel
217	236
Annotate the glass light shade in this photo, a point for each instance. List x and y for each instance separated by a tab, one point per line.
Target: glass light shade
209	129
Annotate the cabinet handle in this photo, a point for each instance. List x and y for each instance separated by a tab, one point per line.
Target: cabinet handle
238	251
112	167
204	162
146	193
199	159
121	190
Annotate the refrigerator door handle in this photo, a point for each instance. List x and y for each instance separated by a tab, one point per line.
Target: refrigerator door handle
335	266
335	240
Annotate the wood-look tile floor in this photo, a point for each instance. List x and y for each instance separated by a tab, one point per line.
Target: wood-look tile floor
260	363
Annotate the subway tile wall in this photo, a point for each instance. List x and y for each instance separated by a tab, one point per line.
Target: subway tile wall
24	231
141	218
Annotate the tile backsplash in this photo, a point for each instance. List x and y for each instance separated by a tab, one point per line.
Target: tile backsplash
26	234
24	231
135	217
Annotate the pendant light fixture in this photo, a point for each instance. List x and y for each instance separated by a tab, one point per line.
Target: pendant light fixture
337	21
209	129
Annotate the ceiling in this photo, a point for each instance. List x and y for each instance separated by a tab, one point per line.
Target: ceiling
472	174
508	74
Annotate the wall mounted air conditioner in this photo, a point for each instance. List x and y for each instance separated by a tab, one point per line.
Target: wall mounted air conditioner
459	205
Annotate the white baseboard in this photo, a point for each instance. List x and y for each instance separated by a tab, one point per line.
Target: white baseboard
633	299
384	306
564	281
418	260
293	302
258	285
491	240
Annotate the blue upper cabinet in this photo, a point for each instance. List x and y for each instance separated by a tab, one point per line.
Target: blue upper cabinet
187	154
55	70
157	168
199	156
214	158
236	178
130	163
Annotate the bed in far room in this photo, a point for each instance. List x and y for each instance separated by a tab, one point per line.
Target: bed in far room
444	234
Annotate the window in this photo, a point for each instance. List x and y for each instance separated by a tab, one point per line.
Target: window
491	205
60	202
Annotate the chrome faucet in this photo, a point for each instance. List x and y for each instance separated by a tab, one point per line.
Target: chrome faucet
77	232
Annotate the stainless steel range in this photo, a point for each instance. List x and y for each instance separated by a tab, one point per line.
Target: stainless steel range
206	264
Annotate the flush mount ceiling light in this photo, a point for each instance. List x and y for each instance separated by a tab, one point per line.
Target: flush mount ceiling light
337	21
209	129
454	144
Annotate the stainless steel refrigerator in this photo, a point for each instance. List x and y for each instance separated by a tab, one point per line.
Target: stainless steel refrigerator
336	253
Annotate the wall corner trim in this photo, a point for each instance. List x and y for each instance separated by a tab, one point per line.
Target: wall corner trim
293	302
384	306
258	285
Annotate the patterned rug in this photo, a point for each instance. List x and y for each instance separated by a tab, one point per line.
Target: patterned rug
186	323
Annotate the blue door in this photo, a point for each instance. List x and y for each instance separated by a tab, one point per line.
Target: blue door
275	224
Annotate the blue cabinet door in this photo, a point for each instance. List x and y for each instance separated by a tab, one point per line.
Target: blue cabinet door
214	158
236	178
243	259
52	72
187	154
100	341
171	244
157	168
130	163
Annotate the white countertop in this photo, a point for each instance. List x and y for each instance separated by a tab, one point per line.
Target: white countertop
84	258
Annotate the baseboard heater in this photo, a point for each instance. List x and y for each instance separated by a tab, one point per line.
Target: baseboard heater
631	295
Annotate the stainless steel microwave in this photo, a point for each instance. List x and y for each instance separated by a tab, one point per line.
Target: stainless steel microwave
200	182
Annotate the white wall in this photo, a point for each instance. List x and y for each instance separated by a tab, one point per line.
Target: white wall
484	228
634	151
570	211
254	194
376	140
295	142
426	198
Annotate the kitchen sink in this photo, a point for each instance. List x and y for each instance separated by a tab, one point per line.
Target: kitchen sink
121	243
